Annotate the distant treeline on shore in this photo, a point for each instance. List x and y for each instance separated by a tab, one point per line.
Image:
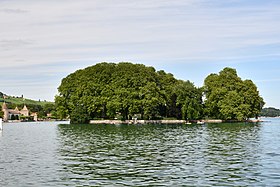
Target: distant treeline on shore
43	109
270	112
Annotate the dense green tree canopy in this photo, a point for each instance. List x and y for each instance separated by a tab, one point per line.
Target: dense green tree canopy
228	97
1	114
270	112
125	90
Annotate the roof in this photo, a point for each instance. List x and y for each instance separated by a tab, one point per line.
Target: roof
24	108
13	112
4	106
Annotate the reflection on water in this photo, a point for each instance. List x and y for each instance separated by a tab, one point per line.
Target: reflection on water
48	154
233	154
137	155
28	154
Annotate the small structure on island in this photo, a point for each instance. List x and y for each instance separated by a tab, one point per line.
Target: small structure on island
10	114
35	116
24	111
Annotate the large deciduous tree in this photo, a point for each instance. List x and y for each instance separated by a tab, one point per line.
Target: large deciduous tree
229	97
125	90
109	90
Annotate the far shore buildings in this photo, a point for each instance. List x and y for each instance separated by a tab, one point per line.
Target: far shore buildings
14	114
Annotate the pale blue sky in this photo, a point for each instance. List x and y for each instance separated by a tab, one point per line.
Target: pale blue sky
43	41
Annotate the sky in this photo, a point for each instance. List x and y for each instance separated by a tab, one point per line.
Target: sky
42	41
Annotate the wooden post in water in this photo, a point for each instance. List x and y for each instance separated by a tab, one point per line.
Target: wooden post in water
1	124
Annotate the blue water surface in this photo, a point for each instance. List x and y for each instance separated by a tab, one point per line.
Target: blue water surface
54	154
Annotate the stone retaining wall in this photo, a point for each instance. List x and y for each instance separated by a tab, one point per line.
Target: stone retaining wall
135	121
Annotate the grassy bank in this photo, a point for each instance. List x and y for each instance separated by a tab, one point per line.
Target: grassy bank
21	101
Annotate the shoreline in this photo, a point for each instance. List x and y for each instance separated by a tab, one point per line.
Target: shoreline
143	122
135	121
39	121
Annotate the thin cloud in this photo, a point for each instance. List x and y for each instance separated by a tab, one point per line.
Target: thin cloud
15	43
36	35
73	27
13	11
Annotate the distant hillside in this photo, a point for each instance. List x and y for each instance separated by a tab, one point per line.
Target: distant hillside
270	112
44	109
20	100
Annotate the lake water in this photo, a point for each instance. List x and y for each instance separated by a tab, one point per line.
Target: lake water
53	154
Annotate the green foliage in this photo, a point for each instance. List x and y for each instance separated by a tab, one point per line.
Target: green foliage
1	114
188	100
124	90
270	112
26	118
21	101
41	107
230	98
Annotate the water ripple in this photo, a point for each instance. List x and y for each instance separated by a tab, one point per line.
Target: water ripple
140	155
162	155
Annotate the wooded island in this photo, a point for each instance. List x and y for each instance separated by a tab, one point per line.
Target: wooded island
126	90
